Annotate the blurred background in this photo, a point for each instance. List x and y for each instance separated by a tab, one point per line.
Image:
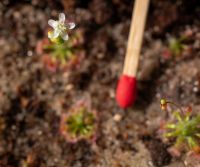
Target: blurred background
35	91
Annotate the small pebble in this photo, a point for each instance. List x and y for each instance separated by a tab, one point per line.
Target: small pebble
185	163
30	53
69	87
150	164
195	89
39	132
117	117
112	93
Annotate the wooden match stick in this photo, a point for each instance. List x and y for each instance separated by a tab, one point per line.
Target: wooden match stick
126	89
135	37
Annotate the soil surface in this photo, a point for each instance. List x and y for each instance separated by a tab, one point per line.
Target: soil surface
32	98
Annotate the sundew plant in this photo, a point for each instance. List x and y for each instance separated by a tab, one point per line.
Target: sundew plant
184	129
80	122
63	49
176	46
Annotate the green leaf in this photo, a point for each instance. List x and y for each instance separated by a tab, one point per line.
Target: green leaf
191	142
177	116
171	126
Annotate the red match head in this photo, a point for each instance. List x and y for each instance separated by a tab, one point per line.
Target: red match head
126	91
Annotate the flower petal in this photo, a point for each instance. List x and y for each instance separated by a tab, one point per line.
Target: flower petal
71	25
53	23
65	36
53	34
61	17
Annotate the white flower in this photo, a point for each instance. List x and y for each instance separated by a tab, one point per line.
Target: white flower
60	27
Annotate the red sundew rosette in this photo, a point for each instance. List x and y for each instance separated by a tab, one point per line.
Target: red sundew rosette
64	129
78	54
77	39
74	62
49	63
53	64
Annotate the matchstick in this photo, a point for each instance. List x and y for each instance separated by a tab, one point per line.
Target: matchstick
126	89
